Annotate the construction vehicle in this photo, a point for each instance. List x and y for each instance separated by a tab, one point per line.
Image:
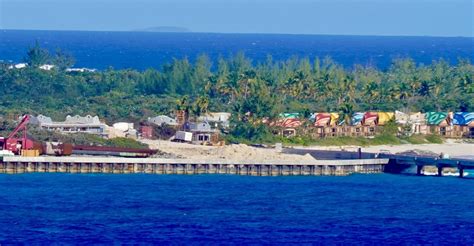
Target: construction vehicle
17	144
14	145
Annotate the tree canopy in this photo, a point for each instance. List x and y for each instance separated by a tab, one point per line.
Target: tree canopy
235	84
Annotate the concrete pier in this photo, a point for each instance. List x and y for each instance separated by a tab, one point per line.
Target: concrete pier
18	164
398	163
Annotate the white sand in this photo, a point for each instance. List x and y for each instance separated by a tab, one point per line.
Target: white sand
236	152
451	148
241	152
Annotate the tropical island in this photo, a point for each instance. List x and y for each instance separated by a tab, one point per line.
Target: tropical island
255	94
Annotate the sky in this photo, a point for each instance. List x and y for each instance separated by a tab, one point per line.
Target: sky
339	17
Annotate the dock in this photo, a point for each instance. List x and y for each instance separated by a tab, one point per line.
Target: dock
398	163
119	165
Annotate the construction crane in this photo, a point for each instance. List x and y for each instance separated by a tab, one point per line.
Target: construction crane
15	144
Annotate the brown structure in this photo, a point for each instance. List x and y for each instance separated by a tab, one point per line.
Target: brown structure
181	117
146	132
343	131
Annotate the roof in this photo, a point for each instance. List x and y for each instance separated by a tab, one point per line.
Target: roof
215	117
162	119
435	118
463	118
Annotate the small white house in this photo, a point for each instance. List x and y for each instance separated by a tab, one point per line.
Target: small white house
46	67
18	66
80	70
163	119
216	118
122	129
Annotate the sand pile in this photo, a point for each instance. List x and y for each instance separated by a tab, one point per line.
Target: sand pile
233	152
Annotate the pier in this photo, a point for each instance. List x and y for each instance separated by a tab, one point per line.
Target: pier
398	163
18	164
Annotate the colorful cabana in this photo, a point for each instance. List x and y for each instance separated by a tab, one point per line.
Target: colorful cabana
334	119
417	118
357	118
322	119
401	118
437	118
463	118
384	117
370	118
288	120
289	115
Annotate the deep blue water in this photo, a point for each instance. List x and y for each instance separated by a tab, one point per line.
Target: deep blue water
374	209
141	50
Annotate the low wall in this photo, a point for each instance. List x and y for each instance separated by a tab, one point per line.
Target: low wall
18	164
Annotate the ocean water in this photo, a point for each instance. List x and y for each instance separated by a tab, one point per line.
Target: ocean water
208	209
141	50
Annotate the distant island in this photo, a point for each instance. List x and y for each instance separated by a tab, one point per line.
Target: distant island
163	29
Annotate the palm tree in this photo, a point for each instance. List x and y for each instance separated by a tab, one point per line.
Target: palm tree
201	106
346	112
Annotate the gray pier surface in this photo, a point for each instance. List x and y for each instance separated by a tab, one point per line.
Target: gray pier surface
81	164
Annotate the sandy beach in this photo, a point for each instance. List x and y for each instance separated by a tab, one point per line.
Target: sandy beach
243	152
451	147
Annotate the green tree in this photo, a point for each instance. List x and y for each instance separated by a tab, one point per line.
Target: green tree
37	56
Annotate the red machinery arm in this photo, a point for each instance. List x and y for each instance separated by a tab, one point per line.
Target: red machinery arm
20	126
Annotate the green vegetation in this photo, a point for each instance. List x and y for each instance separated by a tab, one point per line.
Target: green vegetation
250	91
382	139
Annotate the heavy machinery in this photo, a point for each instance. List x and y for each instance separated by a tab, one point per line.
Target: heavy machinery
22	145
16	144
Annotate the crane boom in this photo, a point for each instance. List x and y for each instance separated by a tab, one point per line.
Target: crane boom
21	126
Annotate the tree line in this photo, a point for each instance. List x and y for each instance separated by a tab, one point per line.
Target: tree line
250	90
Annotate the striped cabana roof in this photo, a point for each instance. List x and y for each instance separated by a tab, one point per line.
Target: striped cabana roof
417	118
322	119
334	119
463	118
288	120
370	118
401	118
289	115
437	118
385	117
357	118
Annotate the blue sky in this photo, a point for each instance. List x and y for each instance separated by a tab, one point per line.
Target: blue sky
347	17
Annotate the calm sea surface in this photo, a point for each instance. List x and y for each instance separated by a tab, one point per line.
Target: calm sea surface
140	50
379	209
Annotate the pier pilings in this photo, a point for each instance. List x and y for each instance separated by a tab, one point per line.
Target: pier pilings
114	165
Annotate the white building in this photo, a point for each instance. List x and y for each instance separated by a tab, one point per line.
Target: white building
163	119
216	118
73	124
18	66
80	70
46	67
122	129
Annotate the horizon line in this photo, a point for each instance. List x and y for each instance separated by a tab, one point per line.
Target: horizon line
240	33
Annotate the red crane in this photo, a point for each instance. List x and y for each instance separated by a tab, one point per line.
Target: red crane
15	144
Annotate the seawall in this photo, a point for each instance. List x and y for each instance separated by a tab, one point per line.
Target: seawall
18	164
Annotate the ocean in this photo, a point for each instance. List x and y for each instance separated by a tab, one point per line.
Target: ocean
142	50
380	209
216	209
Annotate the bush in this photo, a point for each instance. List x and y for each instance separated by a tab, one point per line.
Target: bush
434	139
125	143
245	132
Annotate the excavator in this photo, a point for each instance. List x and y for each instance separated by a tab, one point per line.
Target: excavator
14	143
